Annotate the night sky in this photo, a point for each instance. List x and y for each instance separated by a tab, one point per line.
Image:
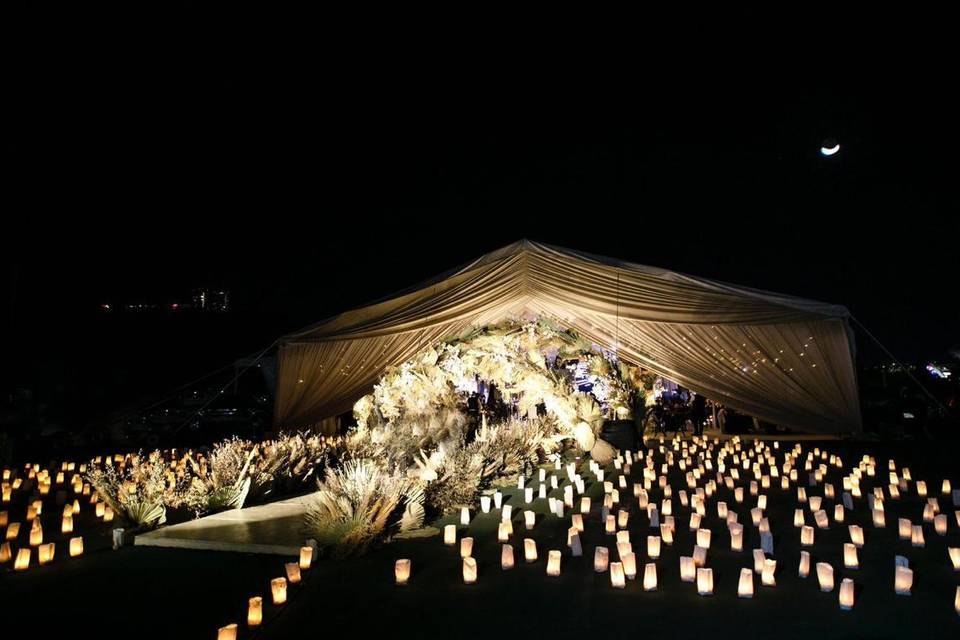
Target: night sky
310	187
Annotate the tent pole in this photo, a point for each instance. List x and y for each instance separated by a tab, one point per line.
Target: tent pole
902	366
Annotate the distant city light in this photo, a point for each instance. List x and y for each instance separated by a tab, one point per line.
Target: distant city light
939	371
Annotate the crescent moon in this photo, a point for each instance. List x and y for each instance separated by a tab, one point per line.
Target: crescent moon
829	151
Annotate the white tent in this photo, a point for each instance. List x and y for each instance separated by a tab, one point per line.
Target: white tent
780	358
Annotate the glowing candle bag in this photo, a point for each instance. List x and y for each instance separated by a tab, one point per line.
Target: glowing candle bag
254	611
401	571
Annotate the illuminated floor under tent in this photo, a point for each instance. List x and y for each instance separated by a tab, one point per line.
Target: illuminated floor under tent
274	528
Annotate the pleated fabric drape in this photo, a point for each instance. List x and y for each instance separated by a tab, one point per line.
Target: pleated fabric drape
780	358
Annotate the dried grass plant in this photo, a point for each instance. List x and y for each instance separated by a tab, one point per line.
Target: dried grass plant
361	504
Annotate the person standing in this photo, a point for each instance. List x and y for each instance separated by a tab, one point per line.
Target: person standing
698	413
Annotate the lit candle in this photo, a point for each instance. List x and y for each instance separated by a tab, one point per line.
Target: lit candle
666	534
688	570
768	575
306	557
825	576
278	590
45	553
466	547
745	587
798	518
36	533
254	611
553	563
629	562
904	528
529	550
228	632
616	575
401	571
736	537
464	516
703	538
838	513
23	560
879	521
293	572
601	559
850	560
856	535
576	520
699	556
954	553
902	581
653	547
940	524
611	525
705	581
650	577
469	570
846	594
916	536
506	557
450	534
503	532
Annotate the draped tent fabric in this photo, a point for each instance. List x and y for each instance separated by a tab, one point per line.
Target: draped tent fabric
783	359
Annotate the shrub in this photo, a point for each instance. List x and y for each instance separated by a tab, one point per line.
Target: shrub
360	504
138	492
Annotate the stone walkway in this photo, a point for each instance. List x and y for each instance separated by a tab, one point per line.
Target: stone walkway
275	528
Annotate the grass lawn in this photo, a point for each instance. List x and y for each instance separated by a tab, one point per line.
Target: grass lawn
163	593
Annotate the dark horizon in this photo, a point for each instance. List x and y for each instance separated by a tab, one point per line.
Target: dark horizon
308	193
